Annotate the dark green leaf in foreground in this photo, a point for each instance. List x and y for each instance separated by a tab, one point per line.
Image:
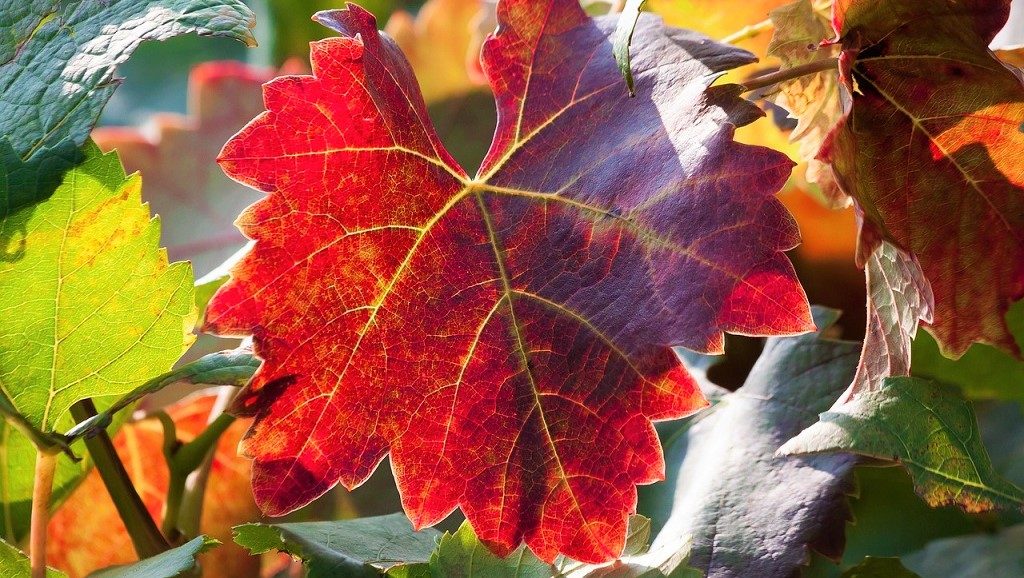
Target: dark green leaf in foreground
365	547
929	428
879	568
462	555
170	564
745	511
977	556
14	564
57	64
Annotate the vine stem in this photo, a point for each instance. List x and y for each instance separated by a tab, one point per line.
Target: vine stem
767	80
146	537
46	464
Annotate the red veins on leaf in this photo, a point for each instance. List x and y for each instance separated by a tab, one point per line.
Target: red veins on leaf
507	337
930	152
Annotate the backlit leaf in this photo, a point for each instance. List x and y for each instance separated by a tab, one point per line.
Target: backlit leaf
14	563
76	265
814	99
929	428
930	154
743	510
498	333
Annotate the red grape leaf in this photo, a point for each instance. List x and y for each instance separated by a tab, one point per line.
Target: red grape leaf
508	337
930	152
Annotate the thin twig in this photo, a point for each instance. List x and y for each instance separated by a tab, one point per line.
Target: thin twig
42	487
195	486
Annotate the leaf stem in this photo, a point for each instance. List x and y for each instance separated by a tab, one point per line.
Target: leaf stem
187	459
146	537
46	464
769	79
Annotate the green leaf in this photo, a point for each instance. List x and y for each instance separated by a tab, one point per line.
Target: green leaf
879	568
744	511
13	563
99	310
169	564
984	372
346	548
929	428
624	37
462	555
978	556
82	260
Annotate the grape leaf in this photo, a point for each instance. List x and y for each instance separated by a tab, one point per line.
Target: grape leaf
78	332
387	545
898	296
197	212
813	100
462	555
745	511
979	556
365	547
57	63
495	333
943	179
89	512
170	564
83	257
929	428
879	568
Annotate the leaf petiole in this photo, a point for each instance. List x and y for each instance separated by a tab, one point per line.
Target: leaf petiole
146	537
773	78
46	465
